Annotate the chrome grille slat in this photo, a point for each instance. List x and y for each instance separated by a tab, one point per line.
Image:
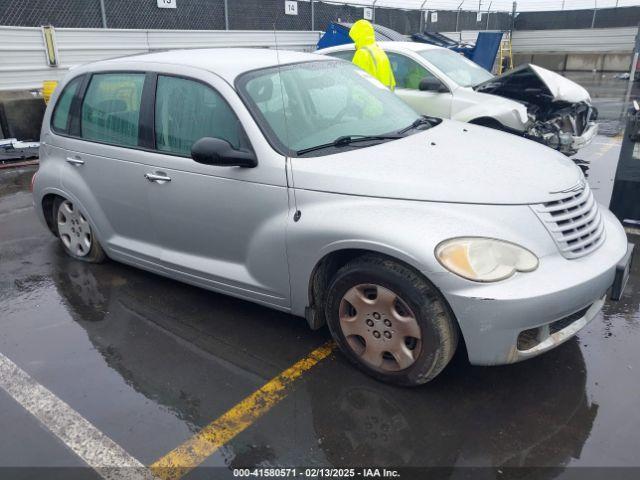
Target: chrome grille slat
569	202
587	241
574	222
581	209
585	220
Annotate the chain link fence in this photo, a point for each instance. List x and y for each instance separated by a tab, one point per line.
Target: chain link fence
309	15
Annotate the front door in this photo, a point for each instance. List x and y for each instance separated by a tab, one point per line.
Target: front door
408	74
221	227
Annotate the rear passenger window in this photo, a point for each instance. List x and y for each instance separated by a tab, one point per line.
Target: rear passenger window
111	108
187	110
60	122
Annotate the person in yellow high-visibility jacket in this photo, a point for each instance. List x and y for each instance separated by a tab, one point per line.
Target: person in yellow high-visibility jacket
369	56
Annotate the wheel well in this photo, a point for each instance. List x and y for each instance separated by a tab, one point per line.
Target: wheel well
47	209
321	277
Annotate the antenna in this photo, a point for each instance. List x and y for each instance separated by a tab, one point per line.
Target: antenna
288	164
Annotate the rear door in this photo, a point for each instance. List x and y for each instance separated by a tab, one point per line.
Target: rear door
408	74
102	167
222	227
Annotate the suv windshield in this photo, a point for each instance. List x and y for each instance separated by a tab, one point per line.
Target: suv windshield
306	105
460	69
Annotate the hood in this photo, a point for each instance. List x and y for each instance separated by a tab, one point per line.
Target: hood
531	82
362	34
451	162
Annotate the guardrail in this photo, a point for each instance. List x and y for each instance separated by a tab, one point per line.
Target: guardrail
24	56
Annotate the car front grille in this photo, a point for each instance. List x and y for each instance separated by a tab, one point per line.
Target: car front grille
574	222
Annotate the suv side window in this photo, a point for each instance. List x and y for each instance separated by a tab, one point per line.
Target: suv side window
407	71
188	110
111	108
343	55
62	111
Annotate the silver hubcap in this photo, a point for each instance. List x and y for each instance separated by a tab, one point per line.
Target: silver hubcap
74	229
380	327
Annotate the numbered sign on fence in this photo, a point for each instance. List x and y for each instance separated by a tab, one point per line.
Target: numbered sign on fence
479	17
166	3
291	8
434	17
368	13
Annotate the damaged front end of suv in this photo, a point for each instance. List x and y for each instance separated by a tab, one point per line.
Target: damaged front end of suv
560	112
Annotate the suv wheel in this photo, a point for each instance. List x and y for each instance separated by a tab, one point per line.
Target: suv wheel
75	233
390	321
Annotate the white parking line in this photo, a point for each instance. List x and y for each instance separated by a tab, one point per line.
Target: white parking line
97	450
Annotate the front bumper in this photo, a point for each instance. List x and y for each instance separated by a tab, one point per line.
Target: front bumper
585	139
493	315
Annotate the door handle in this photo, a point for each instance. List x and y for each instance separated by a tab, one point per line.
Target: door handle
75	161
154	177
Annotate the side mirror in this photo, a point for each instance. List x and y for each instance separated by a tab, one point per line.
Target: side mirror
431	84
215	151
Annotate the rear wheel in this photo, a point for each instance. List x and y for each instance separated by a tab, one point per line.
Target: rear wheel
75	232
390	321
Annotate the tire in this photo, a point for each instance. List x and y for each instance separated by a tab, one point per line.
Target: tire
75	233
403	333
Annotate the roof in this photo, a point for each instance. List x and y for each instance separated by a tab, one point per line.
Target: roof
413	46
225	62
382	32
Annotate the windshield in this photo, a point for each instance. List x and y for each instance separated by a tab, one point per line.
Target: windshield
314	103
460	69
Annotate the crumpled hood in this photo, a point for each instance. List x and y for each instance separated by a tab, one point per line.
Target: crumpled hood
451	162
362	34
513	83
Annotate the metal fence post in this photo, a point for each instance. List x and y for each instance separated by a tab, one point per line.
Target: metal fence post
313	16
104	14
423	22
595	9
514	9
373	11
226	15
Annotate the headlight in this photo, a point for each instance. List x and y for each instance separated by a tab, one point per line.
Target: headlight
484	259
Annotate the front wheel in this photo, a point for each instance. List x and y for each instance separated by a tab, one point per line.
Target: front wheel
75	232
390	321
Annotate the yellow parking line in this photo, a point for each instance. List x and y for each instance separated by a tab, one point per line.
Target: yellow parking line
194	451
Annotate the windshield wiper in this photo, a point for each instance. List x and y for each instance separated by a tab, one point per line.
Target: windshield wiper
348	140
422	120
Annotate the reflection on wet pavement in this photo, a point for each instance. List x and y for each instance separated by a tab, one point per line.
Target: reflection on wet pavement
150	361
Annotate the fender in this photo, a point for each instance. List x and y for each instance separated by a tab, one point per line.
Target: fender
513	119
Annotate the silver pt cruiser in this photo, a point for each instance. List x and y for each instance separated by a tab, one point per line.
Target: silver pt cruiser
300	183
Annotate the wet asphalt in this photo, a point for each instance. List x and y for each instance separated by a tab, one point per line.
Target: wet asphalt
150	361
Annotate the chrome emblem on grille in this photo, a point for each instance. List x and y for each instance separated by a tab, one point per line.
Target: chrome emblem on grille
578	187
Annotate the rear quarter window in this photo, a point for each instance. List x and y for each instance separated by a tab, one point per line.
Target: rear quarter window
62	109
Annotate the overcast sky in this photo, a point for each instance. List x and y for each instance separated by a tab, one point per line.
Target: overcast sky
523	5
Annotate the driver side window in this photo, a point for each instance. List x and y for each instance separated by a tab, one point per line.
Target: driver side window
407	71
188	110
